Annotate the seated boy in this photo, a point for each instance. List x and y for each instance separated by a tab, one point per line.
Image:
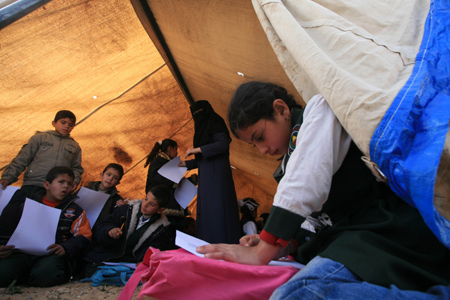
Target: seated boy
73	235
126	234
110	178
44	151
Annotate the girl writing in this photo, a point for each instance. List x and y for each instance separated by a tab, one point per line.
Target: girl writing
355	235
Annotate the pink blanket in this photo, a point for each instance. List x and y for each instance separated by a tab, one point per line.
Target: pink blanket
178	274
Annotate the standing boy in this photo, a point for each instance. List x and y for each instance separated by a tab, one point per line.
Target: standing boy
44	151
110	178
73	235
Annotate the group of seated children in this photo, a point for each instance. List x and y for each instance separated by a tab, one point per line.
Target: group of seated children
121	234
122	231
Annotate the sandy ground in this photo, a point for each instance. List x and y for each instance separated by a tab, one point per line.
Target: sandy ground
68	291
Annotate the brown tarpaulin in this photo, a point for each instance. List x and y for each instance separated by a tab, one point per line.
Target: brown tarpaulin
95	59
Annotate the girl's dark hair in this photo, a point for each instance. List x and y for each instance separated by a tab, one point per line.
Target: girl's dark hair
162	194
56	171
117	167
159	147
253	101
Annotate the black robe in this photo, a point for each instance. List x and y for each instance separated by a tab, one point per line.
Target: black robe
217	209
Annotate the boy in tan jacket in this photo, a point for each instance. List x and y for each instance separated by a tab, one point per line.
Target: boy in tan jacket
44	151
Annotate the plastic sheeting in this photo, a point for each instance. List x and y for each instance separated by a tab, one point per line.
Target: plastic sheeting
408	142
362	57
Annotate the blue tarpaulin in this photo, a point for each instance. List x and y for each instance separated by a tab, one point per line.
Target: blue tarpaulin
408	143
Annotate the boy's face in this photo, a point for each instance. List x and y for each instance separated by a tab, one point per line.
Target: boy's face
58	189
150	205
63	126
110	178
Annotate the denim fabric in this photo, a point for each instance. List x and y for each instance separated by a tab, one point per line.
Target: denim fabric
323	278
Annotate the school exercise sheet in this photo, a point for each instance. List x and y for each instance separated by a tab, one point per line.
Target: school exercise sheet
5	196
37	228
190	243
185	192
92	202
172	171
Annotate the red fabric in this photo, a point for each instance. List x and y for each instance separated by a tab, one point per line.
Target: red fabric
272	239
178	274
132	282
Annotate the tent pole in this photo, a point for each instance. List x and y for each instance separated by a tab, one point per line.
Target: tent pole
150	25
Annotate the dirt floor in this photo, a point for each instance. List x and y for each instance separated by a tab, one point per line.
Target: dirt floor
68	291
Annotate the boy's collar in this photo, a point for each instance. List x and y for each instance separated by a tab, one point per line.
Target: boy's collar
59	134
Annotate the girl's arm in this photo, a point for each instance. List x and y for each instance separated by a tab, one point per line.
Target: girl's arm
322	144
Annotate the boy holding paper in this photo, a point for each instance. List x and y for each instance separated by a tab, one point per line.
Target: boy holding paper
110	178
73	235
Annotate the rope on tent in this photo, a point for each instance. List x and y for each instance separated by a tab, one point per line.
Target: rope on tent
168	137
106	103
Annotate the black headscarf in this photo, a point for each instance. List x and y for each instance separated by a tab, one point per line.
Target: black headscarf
207	123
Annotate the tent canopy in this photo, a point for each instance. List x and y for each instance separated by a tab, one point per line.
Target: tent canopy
129	71
96	59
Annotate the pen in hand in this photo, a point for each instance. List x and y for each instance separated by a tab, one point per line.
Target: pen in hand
124	202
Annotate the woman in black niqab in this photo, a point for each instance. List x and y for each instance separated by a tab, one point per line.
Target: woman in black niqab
207	123
217	218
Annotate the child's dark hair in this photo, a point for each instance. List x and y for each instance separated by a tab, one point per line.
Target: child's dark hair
62	114
159	147
248	208
253	101
56	171
117	167
162	194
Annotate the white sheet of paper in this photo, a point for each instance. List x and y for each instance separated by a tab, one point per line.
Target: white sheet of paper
36	229
185	192
189	243
286	263
92	202
5	196
172	171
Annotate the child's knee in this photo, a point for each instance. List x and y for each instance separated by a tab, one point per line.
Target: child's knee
49	271
47	278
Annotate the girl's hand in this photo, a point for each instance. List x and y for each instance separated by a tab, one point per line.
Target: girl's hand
261	254
250	240
56	249
182	164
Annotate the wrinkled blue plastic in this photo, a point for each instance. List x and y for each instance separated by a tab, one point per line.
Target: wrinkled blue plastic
408	143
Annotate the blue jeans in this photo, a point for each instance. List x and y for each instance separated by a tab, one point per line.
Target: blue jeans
323	278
